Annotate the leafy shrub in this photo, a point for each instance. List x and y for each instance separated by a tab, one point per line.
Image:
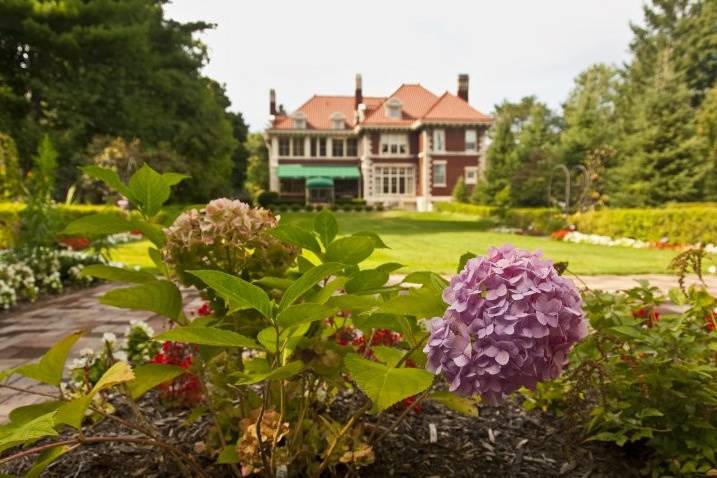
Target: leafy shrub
267	198
645	378
535	220
267	361
10	172
460	191
685	225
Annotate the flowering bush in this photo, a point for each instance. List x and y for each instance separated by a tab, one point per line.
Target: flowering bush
510	323
185	390
645	378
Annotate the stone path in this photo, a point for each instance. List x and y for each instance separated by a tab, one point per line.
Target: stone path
27	333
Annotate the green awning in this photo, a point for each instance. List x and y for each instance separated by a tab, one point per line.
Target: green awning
312	183
293	171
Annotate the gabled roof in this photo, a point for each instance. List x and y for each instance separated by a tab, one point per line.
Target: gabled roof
417	103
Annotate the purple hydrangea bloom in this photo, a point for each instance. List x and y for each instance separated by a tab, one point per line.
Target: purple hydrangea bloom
510	323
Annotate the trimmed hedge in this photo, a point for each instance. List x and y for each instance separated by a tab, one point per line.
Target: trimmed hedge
9	217
683	225
536	220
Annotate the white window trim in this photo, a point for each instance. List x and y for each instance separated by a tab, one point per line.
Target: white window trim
394	105
445	173
335	118
410	180
299	120
473	181
434	146
399	139
474	141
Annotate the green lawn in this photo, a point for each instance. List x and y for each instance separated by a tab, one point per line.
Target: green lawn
435	241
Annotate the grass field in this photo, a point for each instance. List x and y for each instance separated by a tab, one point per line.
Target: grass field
435	241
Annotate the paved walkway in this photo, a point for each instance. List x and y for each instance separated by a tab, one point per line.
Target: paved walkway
28	332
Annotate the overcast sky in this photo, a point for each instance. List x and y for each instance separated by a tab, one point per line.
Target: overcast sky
510	48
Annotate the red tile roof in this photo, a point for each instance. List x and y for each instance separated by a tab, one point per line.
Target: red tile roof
417	103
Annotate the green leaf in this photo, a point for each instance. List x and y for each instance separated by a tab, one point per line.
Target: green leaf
377	242
158	260
207	336
172	179
464	260
150	375
50	367
96	225
386	385
421	303
463	405
269	282
388	355
326	227
153	232
110	178
367	280
119	372
30	412
281	373
296	235
15	434
426	278
303	314
238	293
389	267
350	250
228	455
117	274
288	338
629	331
161	297
307	281
45	459
149	189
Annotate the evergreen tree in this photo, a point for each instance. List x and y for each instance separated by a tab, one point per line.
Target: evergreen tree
460	192
257	174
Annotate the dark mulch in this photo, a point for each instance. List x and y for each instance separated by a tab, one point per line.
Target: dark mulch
504	441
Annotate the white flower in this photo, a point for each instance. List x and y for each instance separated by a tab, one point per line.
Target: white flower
712	269
87	352
121	356
109	338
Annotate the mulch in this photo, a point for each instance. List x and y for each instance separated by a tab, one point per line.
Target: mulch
504	441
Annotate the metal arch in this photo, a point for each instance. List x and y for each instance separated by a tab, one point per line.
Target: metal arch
578	171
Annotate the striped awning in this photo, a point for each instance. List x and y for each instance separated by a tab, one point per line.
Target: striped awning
294	171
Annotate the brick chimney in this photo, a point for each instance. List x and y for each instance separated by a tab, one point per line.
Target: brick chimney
463	86
358	93
272	102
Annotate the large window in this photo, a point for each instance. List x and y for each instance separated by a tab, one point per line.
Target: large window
298	146
471	140
283	146
394	180
471	175
394	144
351	147
337	147
318	147
439	173
439	140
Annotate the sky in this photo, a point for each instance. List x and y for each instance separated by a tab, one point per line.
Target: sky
510	48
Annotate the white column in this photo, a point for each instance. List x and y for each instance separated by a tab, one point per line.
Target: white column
274	164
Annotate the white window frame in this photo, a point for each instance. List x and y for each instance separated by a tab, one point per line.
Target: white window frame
279	152
473	140
299	120
474	173
394	108
338	121
387	180
394	145
441	164
439	140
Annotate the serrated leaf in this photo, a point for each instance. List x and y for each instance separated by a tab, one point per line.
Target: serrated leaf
326	227
375	238
238	293
307	281
150	375
421	303
207	336
464	260
354	302
385	385
110	178
172	179
297	236
367	280
117	274
388	355
629	331
281	373
228	455
119	372
350	250
97	225
45	459
30	412
15	434
158	260
153	232
161	297
390	267
430	279
149	190
303	314
462	405
51	365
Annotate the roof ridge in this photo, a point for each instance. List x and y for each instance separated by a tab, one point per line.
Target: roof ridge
438	100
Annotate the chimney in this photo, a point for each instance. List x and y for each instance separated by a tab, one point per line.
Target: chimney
463	86
272	102
358	93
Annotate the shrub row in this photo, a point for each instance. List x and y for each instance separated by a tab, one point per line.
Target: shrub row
345	207
536	220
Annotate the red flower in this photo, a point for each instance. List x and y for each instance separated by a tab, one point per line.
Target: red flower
76	243
560	234
205	309
184	390
649	313
711	321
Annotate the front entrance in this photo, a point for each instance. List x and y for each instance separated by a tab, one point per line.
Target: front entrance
321	195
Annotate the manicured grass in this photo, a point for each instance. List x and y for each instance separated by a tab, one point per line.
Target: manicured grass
435	241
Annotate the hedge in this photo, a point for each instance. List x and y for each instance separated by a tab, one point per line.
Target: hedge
683	225
9	217
536	220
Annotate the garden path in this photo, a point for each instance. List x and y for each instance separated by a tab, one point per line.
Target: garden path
25	334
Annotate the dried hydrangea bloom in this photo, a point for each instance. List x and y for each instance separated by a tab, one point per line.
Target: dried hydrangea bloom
511	321
230	236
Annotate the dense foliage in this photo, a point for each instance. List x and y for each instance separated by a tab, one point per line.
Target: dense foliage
649	122
85	71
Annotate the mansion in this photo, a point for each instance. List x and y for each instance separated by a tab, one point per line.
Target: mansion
408	149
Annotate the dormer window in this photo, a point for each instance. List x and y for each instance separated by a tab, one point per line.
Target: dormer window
338	121
299	120
393	108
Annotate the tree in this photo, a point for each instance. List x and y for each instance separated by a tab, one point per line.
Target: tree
257	174
589	114
460	192
80	69
521	153
241	154
10	174
707	137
